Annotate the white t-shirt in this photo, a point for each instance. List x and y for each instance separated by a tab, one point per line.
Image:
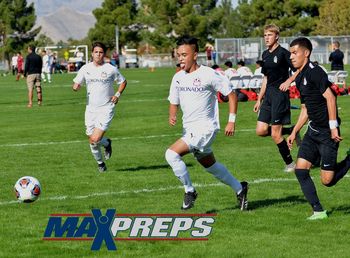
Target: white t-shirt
99	81
195	92
46	64
230	72
14	61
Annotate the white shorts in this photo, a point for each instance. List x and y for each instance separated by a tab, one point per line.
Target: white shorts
100	118
198	142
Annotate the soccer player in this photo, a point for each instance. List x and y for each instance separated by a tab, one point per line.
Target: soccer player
101	100
275	108
46	67
194	89
321	140
32	70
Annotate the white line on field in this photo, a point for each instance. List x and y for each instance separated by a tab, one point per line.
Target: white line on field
116	138
147	190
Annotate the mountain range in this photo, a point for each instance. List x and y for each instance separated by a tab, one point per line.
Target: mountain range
64	19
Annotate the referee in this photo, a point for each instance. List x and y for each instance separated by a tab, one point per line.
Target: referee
321	140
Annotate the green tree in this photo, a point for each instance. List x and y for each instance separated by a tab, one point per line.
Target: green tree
112	13
294	17
334	18
17	21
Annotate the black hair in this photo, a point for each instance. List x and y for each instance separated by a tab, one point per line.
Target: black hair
260	62
302	42
228	64
32	48
99	44
188	40
215	66
241	62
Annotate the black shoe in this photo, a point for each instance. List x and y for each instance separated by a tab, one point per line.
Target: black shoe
108	150
189	199
102	167
242	197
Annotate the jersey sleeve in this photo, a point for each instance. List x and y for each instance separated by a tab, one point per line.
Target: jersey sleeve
221	83
320	79
173	93
263	69
119	78
80	78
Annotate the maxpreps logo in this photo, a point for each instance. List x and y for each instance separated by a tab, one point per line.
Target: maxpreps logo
106	228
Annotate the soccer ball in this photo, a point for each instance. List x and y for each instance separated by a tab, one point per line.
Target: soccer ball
27	189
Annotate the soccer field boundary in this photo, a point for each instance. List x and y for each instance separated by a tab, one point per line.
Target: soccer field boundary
113	138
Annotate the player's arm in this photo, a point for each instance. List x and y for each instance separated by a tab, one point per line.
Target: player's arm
232	102
172	114
261	95
76	86
303	118
332	114
285	86
115	98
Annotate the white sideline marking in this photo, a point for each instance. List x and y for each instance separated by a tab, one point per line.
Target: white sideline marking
116	138
146	190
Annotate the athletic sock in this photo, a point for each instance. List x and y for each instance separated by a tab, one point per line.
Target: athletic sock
308	188
96	152
285	152
340	171
104	141
221	173
287	130
179	169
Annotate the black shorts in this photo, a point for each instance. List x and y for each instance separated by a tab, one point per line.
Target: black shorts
317	144
275	109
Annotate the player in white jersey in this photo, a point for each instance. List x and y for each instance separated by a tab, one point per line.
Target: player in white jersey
194	89
101	100
45	71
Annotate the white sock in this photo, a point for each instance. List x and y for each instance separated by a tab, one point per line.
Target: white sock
104	142
221	173
180	169
96	152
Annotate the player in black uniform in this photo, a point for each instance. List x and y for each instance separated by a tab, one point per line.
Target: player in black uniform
275	108
321	140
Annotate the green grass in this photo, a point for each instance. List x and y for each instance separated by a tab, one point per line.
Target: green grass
49	143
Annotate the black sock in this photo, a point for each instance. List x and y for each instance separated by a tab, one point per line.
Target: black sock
308	188
268	131
287	130
340	171
285	152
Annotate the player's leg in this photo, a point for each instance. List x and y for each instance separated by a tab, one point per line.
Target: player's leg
30	86
95	147
173	156
48	77
262	129
276	134
218	170
38	89
308	153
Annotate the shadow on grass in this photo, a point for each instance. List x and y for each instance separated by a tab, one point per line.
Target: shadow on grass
344	209
152	167
254	205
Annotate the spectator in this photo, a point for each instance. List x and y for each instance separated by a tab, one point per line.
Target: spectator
258	67
32	71
230	71
19	66
336	57
14	64
242	69
46	67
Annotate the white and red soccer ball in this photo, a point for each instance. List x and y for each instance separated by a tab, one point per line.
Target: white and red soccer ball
27	189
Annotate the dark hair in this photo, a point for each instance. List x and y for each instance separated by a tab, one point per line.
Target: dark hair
215	66
228	64
188	40
241	62
260	62
32	48
302	42
99	44
336	43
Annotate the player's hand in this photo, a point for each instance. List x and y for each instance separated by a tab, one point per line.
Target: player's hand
335	135
114	99
230	129
257	106
76	87
172	120
285	86
290	140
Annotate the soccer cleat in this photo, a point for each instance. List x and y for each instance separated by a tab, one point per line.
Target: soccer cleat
242	197
298	139
318	215
108	150
290	168
102	167
189	199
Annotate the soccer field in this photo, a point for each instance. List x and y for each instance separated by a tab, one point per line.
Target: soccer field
49	143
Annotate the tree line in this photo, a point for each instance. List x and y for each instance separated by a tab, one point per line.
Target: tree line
157	24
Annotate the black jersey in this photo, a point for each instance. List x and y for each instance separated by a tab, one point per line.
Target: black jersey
336	58
276	66
312	82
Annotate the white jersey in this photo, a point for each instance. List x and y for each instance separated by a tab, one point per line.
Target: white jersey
46	64
195	92
99	82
